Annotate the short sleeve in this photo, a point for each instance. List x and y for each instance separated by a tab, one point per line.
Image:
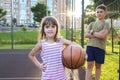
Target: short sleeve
90	26
106	26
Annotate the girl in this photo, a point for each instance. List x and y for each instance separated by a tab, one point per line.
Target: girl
50	45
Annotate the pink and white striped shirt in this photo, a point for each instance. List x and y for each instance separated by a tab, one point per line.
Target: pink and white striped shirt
52	56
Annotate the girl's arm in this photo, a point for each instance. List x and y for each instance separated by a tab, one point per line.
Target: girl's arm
32	55
68	42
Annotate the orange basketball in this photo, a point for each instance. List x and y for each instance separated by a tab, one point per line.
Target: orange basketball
73	56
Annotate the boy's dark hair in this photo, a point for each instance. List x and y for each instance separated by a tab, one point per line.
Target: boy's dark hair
101	6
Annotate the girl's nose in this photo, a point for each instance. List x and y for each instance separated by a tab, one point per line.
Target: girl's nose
50	28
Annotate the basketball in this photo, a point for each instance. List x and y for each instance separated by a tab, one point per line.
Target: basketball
73	56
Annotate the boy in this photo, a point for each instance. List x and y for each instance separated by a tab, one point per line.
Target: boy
97	34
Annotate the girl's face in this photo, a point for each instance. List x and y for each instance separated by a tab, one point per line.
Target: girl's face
100	13
50	30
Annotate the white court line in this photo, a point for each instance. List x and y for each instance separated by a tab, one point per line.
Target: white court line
27	78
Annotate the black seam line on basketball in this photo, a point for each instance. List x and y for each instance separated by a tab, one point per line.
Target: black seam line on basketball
78	59
71	56
64	63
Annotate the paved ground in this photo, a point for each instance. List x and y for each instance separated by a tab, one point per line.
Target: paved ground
15	65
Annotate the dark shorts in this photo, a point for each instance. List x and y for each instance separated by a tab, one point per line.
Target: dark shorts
95	54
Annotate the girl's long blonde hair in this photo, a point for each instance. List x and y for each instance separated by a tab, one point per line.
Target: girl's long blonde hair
47	20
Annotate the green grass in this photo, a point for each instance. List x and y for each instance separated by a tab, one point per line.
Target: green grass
17	46
19	37
109	69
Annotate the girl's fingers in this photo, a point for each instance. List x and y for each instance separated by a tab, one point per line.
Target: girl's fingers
44	67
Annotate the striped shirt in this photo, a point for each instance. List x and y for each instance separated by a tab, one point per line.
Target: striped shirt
52	56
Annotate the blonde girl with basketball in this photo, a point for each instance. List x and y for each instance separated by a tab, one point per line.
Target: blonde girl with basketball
97	35
50	44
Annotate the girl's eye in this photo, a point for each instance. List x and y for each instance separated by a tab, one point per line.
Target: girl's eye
47	26
53	26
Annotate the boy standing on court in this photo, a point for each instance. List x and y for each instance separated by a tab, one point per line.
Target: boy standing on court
97	34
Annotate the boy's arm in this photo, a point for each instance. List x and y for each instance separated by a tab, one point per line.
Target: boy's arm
89	34
101	34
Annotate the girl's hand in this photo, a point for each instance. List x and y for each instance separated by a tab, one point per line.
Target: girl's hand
86	57
74	43
43	66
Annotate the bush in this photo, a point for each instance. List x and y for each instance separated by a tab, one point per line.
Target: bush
24	29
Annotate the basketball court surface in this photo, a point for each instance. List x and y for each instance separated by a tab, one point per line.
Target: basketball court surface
16	65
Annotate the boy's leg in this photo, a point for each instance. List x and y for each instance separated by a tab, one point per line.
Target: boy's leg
99	60
98	71
89	70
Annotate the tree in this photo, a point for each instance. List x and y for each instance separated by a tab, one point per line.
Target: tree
14	20
106	2
2	14
113	7
39	11
90	19
89	14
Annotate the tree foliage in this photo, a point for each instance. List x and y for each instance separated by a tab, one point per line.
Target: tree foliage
2	14
89	15
113	7
106	2
90	19
14	20
39	11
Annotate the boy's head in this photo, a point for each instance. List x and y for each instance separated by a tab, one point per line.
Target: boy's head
101	11
102	6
